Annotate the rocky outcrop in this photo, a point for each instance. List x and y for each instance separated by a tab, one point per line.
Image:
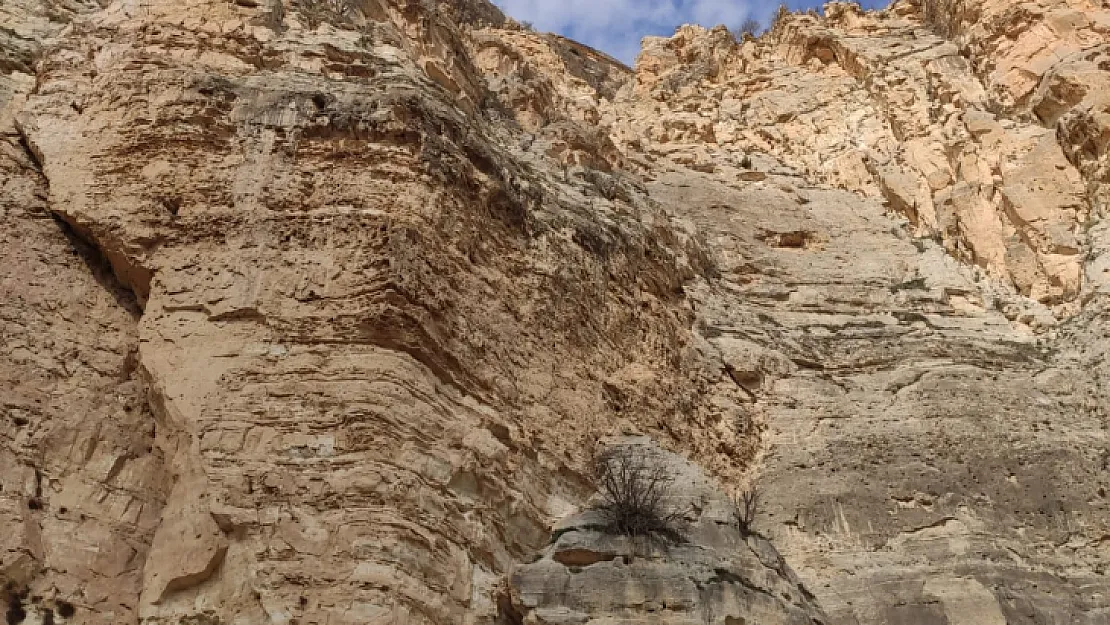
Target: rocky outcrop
376	326
922	456
313	311
885	105
712	573
81	483
934	451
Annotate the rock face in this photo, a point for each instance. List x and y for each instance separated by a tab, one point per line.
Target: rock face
936	441
82	485
376	329
712	573
313	309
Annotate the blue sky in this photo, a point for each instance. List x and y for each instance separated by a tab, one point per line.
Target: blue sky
616	26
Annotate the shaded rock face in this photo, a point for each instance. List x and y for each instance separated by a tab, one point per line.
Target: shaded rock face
711	574
935	437
82	484
313	311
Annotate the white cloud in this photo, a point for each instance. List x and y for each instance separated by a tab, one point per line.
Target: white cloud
616	26
713	12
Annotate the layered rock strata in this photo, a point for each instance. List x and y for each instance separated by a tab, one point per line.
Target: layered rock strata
711	571
312	310
376	330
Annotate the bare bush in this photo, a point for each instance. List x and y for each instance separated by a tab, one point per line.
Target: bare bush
747	507
316	12
748	28
634	489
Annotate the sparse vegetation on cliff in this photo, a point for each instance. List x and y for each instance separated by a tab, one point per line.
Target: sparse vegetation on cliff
748	28
634	491
747	507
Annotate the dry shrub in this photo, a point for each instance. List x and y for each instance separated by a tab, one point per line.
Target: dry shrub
747	506
634	489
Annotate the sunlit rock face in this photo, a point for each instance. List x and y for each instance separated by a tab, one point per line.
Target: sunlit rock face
314	311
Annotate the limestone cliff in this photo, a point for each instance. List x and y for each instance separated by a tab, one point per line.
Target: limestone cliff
314	310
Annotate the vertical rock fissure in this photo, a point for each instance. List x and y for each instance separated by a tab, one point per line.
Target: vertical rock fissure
99	266
71	379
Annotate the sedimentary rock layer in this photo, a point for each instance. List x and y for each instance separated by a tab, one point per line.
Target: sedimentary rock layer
314	311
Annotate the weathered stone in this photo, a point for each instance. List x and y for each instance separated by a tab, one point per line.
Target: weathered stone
314	311
711	573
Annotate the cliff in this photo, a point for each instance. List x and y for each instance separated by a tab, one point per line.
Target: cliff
314	311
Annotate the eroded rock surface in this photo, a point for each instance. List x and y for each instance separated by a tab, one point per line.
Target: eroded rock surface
710	573
375	331
312	310
81	483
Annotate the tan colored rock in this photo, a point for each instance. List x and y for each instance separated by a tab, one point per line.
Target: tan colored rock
81	484
910	446
356	425
312	312
876	104
713	573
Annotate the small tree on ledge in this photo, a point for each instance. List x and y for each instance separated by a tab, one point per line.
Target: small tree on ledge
748	28
634	489
747	507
